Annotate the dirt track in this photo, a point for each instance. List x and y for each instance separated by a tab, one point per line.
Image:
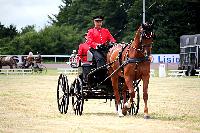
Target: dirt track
28	104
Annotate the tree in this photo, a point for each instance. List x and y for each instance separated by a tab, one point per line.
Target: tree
6	35
79	13
28	28
10	31
50	40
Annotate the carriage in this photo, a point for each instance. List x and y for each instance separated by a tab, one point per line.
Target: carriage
34	63
91	83
190	53
118	79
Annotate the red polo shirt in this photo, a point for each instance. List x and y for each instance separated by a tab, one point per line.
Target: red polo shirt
82	51
99	36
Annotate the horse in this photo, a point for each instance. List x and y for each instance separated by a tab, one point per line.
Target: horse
31	62
131	63
8	61
27	62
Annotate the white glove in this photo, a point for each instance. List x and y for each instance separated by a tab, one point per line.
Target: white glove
98	46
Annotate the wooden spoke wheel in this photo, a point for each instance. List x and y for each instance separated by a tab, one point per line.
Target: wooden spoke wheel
63	94
42	69
136	102
77	96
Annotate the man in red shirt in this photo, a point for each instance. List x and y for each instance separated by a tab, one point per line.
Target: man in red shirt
98	36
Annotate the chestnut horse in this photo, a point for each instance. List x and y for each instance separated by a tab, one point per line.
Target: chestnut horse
132	63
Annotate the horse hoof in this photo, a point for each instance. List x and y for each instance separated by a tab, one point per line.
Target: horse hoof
146	117
121	115
124	111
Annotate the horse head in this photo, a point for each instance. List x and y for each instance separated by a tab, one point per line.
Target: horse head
143	39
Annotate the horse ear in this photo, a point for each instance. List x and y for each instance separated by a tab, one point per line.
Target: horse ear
143	26
137	27
152	23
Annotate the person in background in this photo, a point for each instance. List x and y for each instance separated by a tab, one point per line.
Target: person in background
73	59
30	55
38	58
98	36
82	58
29	59
83	49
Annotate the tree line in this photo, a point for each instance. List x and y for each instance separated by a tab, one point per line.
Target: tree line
122	17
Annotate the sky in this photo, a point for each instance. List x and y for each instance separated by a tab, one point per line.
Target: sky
28	12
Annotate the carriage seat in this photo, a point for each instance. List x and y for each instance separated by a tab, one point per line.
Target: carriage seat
86	69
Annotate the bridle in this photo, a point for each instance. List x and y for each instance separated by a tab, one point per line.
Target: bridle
144	34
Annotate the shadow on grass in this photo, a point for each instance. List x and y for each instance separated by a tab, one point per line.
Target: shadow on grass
173	117
101	114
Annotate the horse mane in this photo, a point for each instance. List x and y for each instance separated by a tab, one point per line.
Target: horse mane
136	38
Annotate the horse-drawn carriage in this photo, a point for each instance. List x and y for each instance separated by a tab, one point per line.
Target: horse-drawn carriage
126	66
91	83
34	63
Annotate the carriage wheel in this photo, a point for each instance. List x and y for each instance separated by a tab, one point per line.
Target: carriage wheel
42	69
39	68
63	94
77	98
135	105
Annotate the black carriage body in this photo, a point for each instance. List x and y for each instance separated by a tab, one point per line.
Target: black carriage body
91	82
190	53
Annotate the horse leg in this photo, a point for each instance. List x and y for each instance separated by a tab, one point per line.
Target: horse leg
129	83
114	79
15	64
126	105
124	90
129	86
145	96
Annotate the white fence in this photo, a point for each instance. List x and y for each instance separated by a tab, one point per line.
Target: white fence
197	73
16	71
55	57
157	58
177	73
74	71
71	71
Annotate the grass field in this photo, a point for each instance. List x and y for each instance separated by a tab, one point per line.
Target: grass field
28	104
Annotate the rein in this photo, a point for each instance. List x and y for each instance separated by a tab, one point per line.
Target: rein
124	63
129	60
126	56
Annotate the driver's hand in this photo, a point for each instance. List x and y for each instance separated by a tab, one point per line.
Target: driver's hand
98	45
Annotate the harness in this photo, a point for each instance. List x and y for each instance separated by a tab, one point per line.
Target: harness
126	57
124	63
